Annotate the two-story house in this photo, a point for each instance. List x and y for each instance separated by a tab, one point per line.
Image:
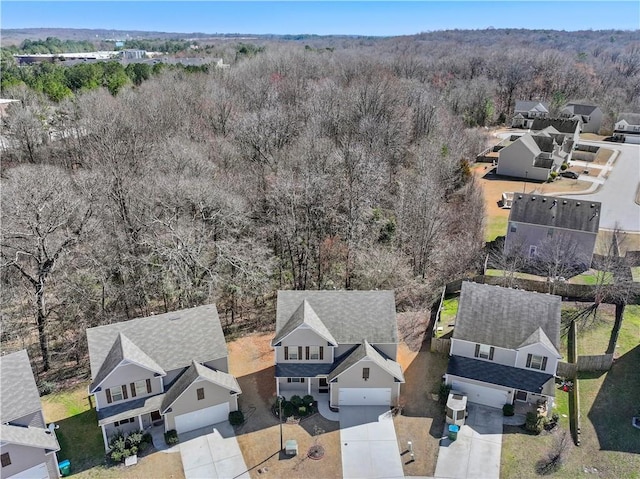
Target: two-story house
27	446
527	111
589	115
534	156
627	128
168	369
340	346
505	345
537	222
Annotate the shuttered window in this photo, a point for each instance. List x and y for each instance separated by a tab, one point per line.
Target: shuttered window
484	351
535	361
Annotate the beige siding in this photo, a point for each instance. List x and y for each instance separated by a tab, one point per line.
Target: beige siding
125	375
352	378
188	401
468	349
22	458
539	350
304	337
517	160
221	364
34	419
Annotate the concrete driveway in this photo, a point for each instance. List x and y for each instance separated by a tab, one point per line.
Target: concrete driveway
618	193
368	443
476	452
212	452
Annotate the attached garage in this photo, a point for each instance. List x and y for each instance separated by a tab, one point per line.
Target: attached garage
202	418
482	394
37	472
364	397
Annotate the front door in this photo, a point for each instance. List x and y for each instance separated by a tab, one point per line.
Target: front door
155	416
521	396
323	386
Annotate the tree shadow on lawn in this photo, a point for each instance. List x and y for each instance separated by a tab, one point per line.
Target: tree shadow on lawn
80	441
616	403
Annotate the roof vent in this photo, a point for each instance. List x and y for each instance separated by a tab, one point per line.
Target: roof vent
564	202
578	203
519	197
174	318
592	205
544	200
533	198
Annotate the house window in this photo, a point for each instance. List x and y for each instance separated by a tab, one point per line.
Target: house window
484	351
139	387
533	250
292	353
315	353
550	232
295	380
513	228
6	459
536	362
365	373
117	393
124	421
200	393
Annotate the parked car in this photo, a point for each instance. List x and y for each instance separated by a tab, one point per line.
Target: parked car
569	174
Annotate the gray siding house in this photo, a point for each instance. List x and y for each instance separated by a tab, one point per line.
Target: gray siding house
536	222
527	111
627	128
27	446
169	369
339	346
505	346
589	115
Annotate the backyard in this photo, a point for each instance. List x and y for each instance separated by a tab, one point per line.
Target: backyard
609	445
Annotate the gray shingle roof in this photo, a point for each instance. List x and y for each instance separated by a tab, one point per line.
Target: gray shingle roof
490	372
563	125
194	372
539	336
304	315
579	109
350	316
366	351
303	370
124	349
171	340
523	105
505	317
556	212
630	118
129	409
29	436
18	391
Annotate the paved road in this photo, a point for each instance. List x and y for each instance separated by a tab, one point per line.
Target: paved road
369	444
618	192
477	450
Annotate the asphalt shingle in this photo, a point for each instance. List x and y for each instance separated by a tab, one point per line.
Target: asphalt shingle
19	394
556	212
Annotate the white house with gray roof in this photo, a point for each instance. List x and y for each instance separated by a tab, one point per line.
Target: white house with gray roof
627	128
169	369
590	116
505	345
527	111
339	346
27	446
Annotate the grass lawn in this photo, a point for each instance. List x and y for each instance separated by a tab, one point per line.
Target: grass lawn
447	315
607	402
494	227
516	274
79	435
592	277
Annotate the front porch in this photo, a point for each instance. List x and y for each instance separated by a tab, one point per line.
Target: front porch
539	407
313	386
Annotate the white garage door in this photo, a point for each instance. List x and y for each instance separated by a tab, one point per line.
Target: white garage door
202	417
364	397
37	472
481	394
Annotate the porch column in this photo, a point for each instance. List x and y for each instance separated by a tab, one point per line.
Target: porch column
140	422
277	386
104	438
309	386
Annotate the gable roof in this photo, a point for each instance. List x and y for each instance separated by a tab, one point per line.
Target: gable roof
505	317
539	336
29	436
194	372
366	351
523	105
563	125
171	340
630	118
349	316
19	394
507	376
582	109
123	349
304	315
556	212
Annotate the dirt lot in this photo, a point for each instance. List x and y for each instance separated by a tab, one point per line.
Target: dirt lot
251	360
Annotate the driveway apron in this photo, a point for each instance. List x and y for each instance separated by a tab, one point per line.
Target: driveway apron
369	444
475	454
212	452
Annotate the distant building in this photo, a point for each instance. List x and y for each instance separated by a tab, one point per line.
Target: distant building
589	115
627	128
527	111
130	54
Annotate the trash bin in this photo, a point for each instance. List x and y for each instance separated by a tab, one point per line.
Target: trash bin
453	431
65	467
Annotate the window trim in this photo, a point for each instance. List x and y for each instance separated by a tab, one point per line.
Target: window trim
117	391
478	354
314	351
539	366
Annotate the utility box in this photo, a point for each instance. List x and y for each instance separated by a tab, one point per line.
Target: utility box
291	447
456	408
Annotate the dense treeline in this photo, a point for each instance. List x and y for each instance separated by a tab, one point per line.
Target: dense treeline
51	45
296	168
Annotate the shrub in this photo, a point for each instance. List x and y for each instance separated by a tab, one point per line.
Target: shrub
171	437
135	438
552	176
296	401
46	387
534	423
302	410
236	418
125	446
564	166
308	400
508	410
287	409
443	393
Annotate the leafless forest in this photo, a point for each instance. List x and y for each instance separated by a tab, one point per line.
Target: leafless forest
298	167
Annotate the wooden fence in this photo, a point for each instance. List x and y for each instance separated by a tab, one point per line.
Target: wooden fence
440	345
600	362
